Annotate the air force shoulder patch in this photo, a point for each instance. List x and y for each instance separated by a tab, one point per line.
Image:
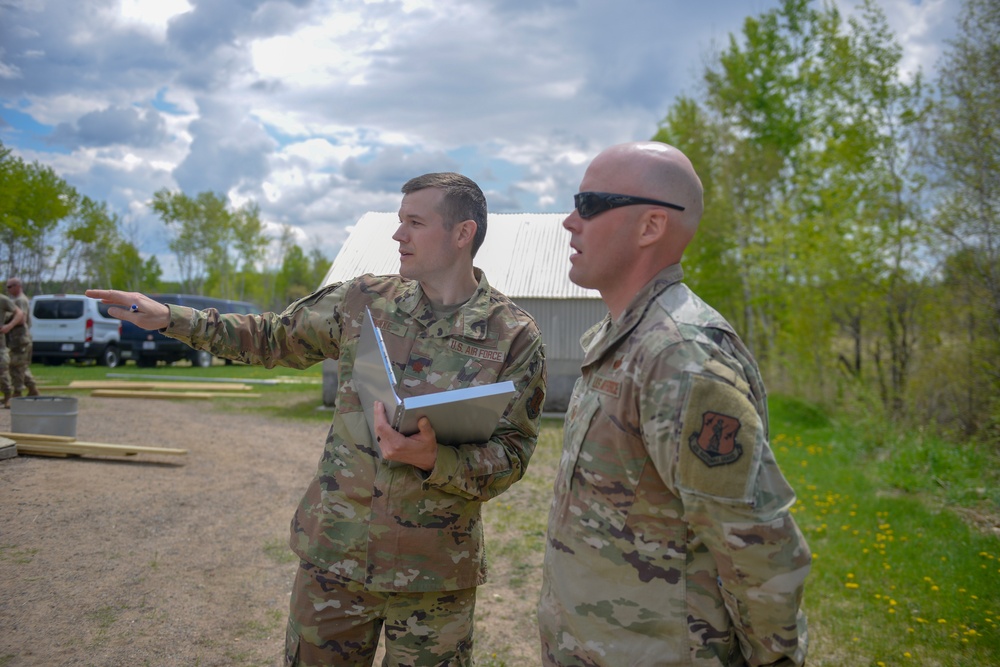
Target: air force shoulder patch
715	443
720	432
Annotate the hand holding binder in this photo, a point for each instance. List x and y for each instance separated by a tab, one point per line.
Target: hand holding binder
458	416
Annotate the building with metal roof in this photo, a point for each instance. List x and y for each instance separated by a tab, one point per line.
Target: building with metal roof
525	256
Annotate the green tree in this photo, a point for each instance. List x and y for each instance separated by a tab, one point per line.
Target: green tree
320	265
965	152
802	141
250	245
89	237
210	241
34	200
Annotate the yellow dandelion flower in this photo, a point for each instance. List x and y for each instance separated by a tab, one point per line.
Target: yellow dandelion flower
851	584
906	654
941	620
935	588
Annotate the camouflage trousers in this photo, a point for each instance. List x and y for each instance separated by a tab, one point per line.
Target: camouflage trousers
335	621
5	385
20	367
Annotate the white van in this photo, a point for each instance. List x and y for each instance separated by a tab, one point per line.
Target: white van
73	326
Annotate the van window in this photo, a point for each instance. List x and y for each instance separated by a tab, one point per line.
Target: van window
58	309
102	308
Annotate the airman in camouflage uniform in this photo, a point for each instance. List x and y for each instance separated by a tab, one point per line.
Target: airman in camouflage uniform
379	543
19	343
10	316
670	540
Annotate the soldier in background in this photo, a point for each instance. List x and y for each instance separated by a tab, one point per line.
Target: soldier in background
10	317
382	544
19	343
670	540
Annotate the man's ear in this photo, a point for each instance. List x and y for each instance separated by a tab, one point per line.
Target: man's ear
653	227
465	232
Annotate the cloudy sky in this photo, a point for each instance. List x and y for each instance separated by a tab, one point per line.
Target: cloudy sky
320	109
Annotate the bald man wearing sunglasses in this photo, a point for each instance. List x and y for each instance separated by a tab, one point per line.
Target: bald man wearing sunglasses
670	540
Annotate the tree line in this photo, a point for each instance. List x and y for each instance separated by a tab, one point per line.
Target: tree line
60	241
852	216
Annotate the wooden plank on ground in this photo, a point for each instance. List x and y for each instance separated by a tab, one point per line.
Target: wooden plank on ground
116	393
94	449
32	443
148	386
36	437
42	452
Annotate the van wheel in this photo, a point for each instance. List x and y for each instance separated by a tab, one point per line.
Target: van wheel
201	359
110	357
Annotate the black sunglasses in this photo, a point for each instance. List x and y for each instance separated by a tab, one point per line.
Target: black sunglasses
589	204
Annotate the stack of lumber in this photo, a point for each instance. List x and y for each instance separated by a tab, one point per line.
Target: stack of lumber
61	445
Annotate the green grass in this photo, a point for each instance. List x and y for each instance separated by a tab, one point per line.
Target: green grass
69	371
900	575
296	394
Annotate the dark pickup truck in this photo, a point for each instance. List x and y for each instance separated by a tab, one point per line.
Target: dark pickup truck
149	347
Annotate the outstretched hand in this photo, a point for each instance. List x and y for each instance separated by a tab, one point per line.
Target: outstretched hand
133	307
419	449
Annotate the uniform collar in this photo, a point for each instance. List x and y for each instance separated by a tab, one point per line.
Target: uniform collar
468	322
607	332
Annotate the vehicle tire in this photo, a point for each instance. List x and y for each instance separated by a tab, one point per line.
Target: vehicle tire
201	359
110	357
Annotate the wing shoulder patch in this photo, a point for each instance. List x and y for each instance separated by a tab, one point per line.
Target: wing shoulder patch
720	436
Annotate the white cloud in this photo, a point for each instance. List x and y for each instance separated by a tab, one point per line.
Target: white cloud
152	14
320	110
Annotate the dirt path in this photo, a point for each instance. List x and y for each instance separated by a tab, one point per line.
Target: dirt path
153	560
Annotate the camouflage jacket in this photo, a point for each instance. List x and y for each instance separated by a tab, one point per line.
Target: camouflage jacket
21	334
7	307
394	527
669	540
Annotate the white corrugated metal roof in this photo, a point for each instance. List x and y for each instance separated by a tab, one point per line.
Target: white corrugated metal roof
524	254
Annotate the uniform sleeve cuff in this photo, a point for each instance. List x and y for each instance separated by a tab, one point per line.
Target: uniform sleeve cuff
445	468
181	324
